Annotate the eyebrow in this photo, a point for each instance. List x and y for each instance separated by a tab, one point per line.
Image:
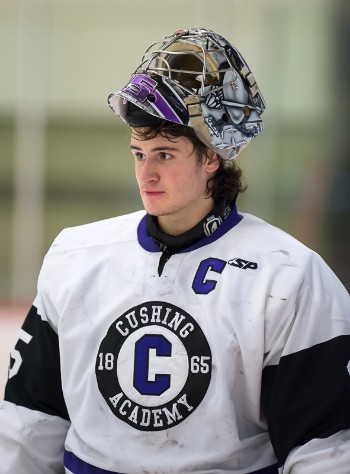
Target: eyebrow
158	148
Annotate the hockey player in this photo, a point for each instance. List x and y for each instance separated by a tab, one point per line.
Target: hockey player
189	337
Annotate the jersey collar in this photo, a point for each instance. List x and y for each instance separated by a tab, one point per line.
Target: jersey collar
148	243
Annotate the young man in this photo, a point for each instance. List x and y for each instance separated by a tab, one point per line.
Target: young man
187	338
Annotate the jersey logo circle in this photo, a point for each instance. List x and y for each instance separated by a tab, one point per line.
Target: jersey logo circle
153	367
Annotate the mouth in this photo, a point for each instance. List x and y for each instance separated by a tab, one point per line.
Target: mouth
152	194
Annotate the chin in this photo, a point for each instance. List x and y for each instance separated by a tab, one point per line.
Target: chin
151	211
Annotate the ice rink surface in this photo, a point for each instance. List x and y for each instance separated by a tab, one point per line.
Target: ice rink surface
11	319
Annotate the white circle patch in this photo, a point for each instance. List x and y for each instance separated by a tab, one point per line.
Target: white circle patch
153	367
157	365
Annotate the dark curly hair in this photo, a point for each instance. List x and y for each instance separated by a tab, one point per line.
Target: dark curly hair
227	181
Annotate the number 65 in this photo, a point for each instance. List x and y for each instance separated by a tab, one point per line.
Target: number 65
200	364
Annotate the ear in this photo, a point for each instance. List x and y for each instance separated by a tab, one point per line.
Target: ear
212	162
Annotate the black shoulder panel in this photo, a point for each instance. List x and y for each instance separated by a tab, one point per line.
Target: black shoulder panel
35	374
307	395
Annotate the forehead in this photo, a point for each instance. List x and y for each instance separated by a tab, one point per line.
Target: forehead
159	142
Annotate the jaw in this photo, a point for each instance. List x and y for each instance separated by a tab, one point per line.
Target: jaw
175	221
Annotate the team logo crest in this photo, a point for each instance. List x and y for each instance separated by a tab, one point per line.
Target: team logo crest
211	225
153	367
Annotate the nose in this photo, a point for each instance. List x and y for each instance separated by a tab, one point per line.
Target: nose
149	170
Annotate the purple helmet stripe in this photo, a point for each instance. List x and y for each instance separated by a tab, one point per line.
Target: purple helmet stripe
144	89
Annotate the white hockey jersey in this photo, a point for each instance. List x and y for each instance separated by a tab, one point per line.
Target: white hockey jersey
234	359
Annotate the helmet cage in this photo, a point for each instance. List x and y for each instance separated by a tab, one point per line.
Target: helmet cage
204	47
196	78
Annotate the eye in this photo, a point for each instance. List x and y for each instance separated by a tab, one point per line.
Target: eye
165	156
138	155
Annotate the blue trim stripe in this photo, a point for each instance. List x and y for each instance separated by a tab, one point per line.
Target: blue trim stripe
150	245
78	466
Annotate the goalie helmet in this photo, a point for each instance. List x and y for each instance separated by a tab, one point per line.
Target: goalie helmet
195	78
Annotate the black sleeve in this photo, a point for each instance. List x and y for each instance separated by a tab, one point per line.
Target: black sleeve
35	375
307	395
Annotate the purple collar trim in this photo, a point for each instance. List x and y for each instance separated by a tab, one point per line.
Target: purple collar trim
148	244
78	466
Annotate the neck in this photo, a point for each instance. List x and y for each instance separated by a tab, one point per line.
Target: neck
175	243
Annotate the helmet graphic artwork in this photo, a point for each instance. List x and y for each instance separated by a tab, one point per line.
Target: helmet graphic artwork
195	78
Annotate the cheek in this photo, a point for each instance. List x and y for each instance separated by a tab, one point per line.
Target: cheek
189	188
197	182
184	184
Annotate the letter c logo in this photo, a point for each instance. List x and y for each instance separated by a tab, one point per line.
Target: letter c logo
201	285
141	377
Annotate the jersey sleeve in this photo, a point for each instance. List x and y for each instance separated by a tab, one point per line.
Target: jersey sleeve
306	382
33	416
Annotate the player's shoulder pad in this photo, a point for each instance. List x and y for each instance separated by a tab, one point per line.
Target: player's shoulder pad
272	241
269	236
116	229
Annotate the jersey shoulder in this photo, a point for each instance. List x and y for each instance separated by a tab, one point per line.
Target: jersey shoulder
268	238
280	250
108	231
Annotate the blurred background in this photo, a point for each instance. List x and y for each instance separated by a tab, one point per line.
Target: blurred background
64	156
